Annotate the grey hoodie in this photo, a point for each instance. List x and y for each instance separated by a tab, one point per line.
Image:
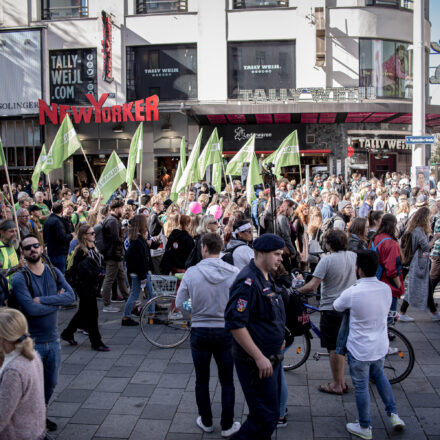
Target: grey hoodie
207	284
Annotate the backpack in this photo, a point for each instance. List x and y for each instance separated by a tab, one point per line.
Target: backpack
326	227
406	247
228	254
297	317
375	248
70	274
100	243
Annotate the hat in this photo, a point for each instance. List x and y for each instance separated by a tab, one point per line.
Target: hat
132	202
7	224
343	204
268	243
421	201
34	208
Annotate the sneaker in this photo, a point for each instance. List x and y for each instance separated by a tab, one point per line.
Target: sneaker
84	332
129	322
392	350
282	423
356	429
405	318
232	430
397	423
51	426
118	299
202	426
435	316
175	316
101	348
110	309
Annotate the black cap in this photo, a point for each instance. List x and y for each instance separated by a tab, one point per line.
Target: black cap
7	224
34	208
268	243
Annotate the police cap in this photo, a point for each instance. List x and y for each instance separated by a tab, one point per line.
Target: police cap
268	243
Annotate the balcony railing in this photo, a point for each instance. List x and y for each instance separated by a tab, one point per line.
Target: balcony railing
404	4
248	4
151	6
54	12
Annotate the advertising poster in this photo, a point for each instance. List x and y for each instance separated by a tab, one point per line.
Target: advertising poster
422	178
73	74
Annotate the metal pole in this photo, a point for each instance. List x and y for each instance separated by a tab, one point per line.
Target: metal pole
308	179
419	87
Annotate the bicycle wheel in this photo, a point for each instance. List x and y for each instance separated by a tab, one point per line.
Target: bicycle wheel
399	361
162	324
297	353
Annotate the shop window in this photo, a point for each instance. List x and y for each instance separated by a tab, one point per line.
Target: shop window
10	156
169	71
58	9
151	6
260	65
244	4
386	66
20	157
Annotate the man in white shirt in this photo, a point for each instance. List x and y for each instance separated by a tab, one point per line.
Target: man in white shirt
369	302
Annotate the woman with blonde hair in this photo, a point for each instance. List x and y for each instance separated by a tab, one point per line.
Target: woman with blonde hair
22	407
300	224
171	224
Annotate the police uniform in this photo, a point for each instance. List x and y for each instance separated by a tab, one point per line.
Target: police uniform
256	305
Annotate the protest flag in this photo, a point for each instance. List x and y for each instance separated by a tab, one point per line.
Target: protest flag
216	180
191	172
37	171
245	154
111	178
212	152
180	167
135	155
253	178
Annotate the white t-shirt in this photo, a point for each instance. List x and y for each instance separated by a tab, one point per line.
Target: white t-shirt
369	302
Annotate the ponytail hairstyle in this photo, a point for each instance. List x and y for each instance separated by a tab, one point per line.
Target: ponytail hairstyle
14	329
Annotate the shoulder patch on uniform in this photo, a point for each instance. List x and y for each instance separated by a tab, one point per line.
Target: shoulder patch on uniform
241	305
248	281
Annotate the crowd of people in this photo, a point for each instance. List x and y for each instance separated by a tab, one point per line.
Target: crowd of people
352	240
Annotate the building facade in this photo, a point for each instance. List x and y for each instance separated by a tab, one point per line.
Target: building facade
338	71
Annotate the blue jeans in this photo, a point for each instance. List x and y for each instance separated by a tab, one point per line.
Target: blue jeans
135	291
360	372
393	308
284	393
205	343
50	353
59	262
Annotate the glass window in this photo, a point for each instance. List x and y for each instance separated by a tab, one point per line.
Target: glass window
20	156
53	9
243	4
167	71
386	66
148	6
29	156
260	65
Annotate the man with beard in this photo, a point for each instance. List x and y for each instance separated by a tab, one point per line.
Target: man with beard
39	290
113	254
8	244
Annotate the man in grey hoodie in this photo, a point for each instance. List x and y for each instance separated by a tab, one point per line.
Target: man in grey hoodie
207	284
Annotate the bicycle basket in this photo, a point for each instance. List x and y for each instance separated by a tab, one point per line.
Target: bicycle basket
163	284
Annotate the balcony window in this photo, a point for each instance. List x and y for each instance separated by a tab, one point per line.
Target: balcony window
403	4
244	4
151	6
59	9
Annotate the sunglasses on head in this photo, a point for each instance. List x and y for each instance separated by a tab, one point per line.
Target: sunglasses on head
30	246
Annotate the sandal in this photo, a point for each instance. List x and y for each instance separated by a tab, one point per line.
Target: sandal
326	388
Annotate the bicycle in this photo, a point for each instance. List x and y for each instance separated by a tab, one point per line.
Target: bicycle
399	362
161	323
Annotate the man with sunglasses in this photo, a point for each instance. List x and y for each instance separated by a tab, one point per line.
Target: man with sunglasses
39	301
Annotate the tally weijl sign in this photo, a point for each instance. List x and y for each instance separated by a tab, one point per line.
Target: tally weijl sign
383	144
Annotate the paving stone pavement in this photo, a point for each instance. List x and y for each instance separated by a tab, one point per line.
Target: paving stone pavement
137	391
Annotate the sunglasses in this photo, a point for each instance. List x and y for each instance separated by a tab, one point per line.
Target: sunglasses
213	223
30	246
90	233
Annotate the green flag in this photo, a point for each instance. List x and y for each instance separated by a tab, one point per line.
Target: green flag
202	160
253	178
216	179
111	178
243	155
287	153
180	167
66	142
37	171
2	154
212	152
135	155
191	172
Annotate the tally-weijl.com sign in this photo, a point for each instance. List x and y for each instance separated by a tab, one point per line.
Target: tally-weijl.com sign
383	144
144	110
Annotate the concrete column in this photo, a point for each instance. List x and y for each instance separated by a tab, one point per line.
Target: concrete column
148	171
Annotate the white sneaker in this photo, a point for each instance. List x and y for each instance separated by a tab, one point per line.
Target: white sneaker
202	426
435	316
405	318
175	316
392	350
232	430
110	309
397	423
356	429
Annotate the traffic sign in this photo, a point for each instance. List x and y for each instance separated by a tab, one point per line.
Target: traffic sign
419	139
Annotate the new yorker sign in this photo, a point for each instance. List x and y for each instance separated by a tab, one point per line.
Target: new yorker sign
316	94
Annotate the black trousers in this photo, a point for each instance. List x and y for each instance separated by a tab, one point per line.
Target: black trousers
86	318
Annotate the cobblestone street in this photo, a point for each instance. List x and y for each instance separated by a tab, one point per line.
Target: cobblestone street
137	391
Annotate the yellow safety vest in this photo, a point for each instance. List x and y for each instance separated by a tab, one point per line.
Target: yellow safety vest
9	257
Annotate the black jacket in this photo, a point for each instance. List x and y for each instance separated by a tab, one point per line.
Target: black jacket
88	268
355	244
112	234
177	250
138	257
154	224
56	237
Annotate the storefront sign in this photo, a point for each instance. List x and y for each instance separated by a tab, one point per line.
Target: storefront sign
72	75
107	27
144	110
240	134
20	72
316	94
383	144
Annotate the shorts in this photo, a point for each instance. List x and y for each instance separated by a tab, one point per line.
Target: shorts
329	328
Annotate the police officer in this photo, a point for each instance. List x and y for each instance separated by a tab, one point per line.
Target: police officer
256	318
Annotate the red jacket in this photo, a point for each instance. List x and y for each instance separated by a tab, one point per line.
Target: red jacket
389	259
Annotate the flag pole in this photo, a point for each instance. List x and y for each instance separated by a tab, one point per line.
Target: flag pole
226	181
50	188
12	201
90	169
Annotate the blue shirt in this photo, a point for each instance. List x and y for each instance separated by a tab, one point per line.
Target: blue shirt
364	210
42	318
326	211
